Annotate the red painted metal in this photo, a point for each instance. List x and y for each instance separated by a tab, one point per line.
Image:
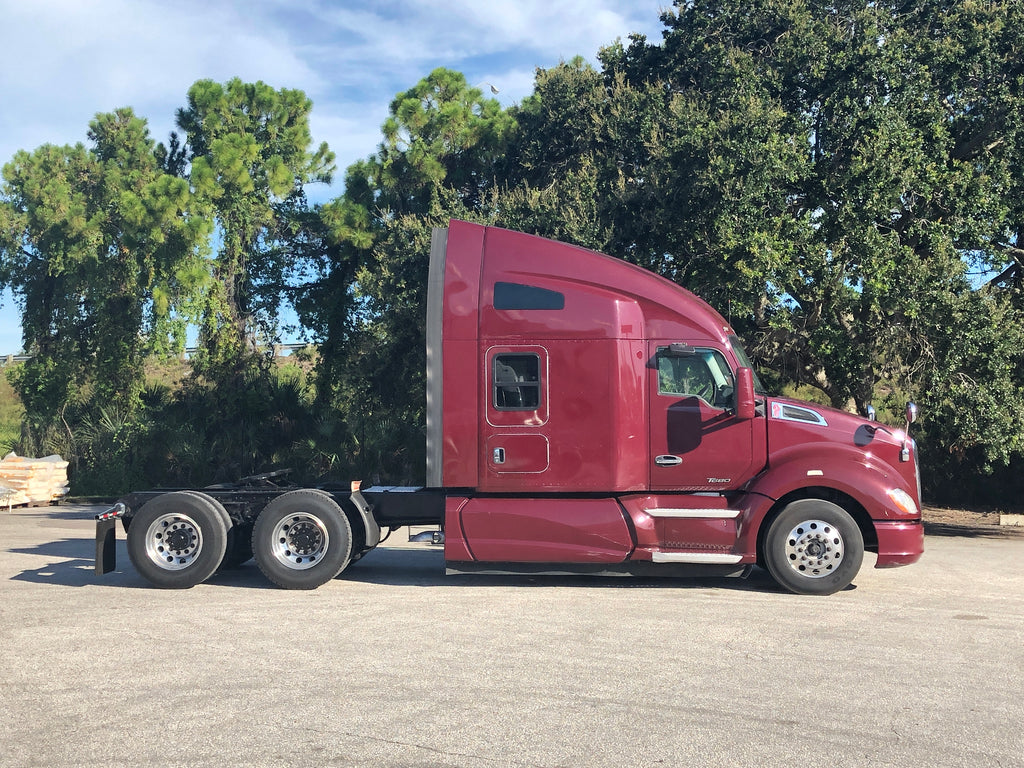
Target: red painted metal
683	523
898	543
541	530
716	449
460	313
455	546
848	454
576	470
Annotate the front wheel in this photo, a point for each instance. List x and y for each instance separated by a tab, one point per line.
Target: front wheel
813	547
302	540
178	539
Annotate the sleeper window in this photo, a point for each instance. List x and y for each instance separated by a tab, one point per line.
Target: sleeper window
516	384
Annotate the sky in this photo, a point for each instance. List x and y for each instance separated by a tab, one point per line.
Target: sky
75	59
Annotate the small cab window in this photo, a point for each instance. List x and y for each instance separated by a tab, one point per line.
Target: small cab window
702	373
516	380
518	296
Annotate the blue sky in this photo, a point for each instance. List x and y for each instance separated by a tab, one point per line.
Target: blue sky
79	58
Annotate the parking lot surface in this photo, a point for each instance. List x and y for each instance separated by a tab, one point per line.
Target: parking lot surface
396	664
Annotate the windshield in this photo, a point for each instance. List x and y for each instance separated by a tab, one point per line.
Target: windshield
744	361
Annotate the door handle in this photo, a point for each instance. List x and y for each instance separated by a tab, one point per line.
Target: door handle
498	456
668	460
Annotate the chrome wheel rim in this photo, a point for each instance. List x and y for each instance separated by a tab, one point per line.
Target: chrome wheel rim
173	542
300	541
814	548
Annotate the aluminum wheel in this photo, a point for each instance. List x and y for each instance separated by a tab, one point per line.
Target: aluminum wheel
178	539
300	541
173	542
814	548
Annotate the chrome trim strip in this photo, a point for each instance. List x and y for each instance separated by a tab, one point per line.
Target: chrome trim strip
707	558
435	367
812	417
728	514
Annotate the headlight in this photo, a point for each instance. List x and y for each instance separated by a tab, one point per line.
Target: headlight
903	502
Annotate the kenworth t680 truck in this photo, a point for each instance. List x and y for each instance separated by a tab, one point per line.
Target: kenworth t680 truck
583	416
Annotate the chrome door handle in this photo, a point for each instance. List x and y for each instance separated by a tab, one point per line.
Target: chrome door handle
668	460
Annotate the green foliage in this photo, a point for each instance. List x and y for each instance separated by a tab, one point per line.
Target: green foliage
250	150
440	134
11	413
94	241
826	176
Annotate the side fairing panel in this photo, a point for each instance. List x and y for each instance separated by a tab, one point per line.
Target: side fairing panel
690	526
460	387
539	530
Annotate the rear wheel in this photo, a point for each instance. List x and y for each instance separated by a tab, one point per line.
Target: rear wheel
302	540
178	540
813	547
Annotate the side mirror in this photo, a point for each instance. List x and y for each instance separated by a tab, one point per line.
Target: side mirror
911	413
745	403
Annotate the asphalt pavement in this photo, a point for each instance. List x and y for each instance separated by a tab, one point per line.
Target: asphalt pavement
396	664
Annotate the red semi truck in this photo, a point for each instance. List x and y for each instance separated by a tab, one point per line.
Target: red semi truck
583	416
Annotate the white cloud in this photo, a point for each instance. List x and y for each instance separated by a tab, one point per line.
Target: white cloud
84	58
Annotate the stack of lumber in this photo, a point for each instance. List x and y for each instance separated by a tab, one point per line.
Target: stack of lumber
32	481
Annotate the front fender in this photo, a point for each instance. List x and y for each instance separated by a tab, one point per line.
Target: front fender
859	475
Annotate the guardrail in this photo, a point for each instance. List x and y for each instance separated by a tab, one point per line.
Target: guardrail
6	360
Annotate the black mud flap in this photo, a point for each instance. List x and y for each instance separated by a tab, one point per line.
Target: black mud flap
106	538
106	545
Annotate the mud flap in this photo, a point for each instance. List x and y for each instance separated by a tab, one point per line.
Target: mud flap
106	545
106	538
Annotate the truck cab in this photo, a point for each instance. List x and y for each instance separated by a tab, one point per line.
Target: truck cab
585	412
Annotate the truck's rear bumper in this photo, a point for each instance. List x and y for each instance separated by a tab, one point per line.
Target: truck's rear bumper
899	543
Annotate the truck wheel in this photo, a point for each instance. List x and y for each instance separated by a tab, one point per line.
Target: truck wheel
813	547
302	540
177	540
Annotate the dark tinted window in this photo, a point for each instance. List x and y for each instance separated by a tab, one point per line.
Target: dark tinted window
518	296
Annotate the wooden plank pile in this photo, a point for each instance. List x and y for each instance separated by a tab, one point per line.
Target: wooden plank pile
32	481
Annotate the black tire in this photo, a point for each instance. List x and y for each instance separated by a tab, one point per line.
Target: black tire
813	547
302	539
178	540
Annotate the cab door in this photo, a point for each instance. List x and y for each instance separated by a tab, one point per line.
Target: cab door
697	442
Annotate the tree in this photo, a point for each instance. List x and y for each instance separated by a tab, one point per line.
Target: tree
250	151
441	133
443	145
834	172
97	244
